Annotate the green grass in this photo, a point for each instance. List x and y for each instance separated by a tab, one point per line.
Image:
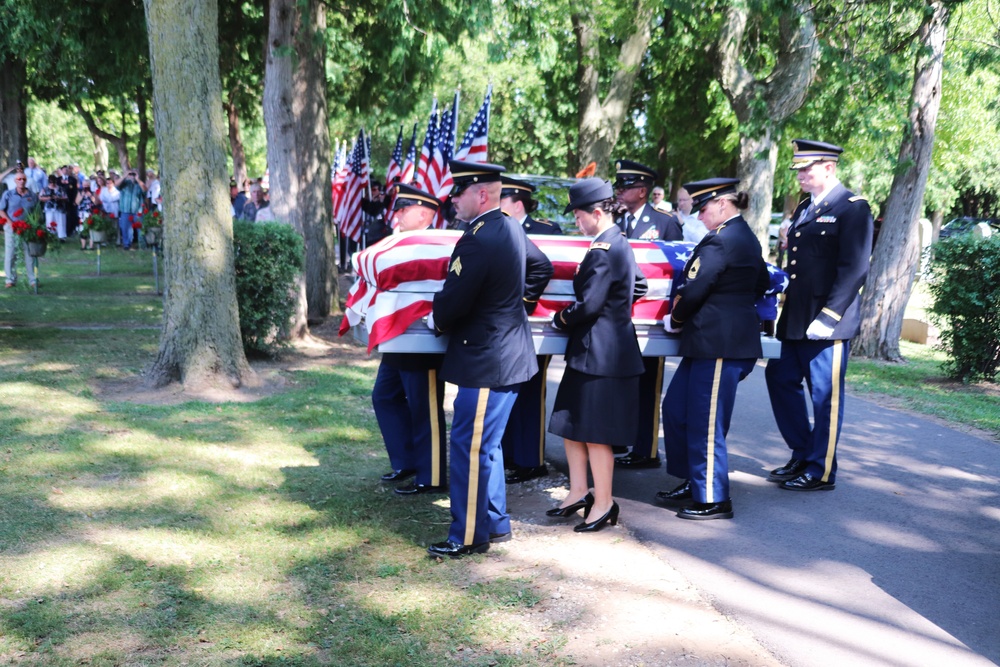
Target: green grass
212	534
921	386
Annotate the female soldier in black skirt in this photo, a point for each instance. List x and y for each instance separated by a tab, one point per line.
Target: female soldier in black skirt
597	402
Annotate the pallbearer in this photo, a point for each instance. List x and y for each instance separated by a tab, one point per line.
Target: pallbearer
524	438
633	184
829	246
715	312
490	353
408	394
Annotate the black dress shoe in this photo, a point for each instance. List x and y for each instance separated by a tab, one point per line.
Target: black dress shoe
636	462
705	511
413	488
584	503
611	516
524	473
681	494
790	470
806	482
497	538
456	550
398	475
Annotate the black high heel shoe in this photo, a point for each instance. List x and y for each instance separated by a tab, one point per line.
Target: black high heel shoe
584	503
610	517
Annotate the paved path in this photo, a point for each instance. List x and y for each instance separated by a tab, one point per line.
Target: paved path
900	565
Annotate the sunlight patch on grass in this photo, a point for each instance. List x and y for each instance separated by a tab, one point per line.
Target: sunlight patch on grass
183	489
51	411
48	571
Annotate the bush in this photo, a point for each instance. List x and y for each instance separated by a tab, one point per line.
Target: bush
966	289
268	259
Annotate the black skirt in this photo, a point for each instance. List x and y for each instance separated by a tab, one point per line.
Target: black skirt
599	410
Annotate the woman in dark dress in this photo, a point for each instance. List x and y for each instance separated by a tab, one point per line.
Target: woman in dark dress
597	402
714	313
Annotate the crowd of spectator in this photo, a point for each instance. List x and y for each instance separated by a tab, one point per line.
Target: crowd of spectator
69	197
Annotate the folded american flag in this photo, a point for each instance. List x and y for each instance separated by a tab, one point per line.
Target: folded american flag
398	277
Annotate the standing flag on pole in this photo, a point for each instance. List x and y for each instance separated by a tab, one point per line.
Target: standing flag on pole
410	165
476	142
351	215
339	180
424	170
395	162
446	149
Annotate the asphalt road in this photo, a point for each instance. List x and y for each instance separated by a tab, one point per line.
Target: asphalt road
900	565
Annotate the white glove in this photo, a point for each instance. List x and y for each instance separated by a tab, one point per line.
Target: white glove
430	322
818	331
670	329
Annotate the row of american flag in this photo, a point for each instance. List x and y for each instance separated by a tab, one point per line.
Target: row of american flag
352	170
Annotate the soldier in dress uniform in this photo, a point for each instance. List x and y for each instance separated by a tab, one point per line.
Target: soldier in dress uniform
633	184
524	438
829	249
408	395
490	352
715	312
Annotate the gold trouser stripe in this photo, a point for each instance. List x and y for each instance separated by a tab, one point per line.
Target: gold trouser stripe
541	426
654	446
713	408
831	442
474	448
437	445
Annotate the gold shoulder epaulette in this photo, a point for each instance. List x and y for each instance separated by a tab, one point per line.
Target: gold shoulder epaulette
600	245
480	224
857	198
543	221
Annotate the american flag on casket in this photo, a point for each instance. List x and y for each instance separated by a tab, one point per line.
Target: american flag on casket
398	277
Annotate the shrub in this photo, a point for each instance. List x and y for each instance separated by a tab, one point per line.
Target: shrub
966	289
268	259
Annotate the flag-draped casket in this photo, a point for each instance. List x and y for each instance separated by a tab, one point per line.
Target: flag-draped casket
398	277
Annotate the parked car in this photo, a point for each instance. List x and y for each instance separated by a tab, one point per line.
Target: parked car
965	225
552	196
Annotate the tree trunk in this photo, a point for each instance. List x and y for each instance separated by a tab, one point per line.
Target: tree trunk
200	344
236	141
143	141
119	142
298	141
13	115
782	92
599	122
897	252
100	152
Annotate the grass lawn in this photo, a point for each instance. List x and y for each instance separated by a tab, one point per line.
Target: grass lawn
241	533
211	534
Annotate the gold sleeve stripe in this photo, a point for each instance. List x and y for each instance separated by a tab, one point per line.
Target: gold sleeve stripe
835	316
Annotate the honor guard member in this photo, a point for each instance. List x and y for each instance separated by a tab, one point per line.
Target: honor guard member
490	353
829	248
524	437
408	395
715	312
633	184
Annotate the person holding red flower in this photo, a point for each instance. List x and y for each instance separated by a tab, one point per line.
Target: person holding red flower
14	207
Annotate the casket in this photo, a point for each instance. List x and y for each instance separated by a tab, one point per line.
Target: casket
388	305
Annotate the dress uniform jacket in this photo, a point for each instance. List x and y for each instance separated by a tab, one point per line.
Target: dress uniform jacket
494	271
602	338
723	279
532	226
828	254
653	225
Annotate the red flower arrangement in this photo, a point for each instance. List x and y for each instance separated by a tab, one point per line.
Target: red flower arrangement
33	227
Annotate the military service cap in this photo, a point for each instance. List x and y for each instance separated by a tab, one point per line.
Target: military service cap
513	186
408	195
805	153
464	174
705	191
630	174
